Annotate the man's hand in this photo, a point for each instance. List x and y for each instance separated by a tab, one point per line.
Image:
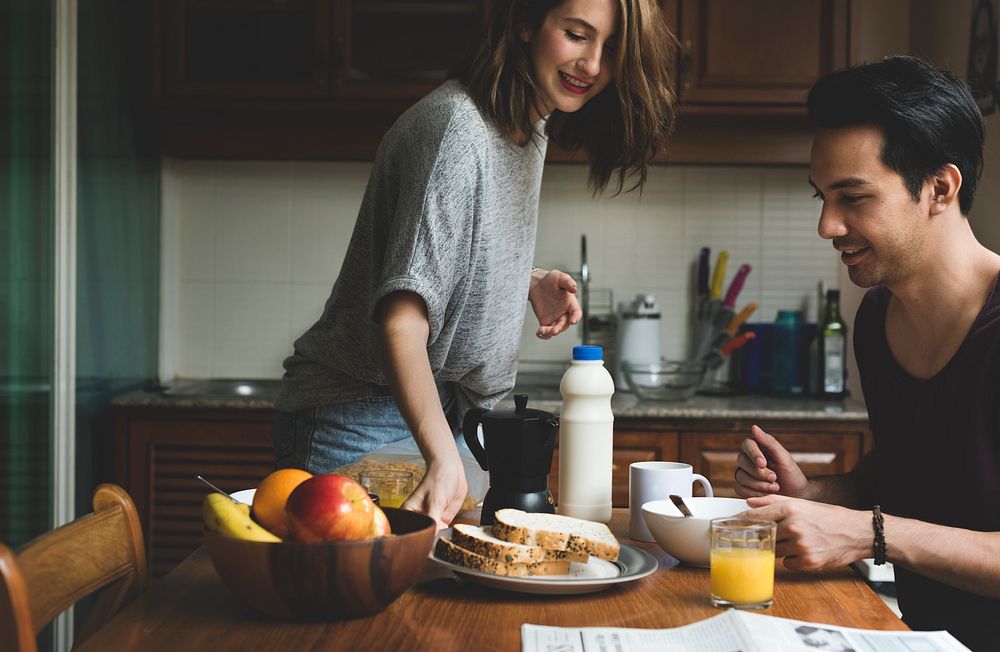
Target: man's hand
552	296
441	493
765	467
815	536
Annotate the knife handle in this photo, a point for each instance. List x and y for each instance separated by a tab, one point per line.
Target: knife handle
737	342
739	319
719	275
703	272
736	286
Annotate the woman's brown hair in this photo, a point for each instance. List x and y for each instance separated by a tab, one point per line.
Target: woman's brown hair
620	129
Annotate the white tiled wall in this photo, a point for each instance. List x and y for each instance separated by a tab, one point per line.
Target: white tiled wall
251	250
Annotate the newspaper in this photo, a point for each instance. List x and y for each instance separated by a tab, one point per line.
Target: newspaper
734	631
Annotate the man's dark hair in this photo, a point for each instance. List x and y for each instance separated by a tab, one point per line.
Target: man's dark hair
927	116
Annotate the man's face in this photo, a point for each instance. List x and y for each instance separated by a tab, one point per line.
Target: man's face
867	211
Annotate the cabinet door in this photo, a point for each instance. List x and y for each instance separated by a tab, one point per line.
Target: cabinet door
713	454
759	52
402	49
244	48
630	446
164	456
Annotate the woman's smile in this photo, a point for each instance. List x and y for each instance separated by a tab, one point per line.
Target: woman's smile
574	84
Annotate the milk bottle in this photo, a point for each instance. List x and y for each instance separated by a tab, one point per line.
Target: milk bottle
585	437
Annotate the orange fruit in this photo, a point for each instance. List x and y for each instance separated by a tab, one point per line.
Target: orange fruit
272	494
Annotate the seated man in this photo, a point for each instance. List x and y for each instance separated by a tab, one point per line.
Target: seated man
895	162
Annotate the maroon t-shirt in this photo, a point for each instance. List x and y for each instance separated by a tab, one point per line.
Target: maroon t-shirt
937	453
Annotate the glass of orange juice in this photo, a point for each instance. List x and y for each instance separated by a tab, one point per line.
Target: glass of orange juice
392	486
742	562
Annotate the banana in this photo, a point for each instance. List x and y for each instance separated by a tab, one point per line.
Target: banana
231	519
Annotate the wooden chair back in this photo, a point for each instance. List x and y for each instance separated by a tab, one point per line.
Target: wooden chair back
102	551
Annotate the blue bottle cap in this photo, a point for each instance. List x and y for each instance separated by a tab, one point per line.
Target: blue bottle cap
588	352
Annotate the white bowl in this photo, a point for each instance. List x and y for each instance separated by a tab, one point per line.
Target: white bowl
688	539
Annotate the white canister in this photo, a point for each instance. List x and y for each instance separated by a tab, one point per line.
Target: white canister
638	336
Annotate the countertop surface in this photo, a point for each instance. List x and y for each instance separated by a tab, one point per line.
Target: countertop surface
260	395
746	406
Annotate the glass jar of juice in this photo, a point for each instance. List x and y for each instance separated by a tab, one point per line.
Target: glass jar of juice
392	486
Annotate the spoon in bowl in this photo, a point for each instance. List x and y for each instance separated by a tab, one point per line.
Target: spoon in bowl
679	502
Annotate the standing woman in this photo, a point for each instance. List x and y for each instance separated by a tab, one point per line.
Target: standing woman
425	318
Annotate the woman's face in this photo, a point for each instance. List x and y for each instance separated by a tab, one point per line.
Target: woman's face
572	54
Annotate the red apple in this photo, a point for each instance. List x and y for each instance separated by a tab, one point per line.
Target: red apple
380	525
329	507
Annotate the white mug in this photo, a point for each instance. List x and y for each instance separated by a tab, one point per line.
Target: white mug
656	481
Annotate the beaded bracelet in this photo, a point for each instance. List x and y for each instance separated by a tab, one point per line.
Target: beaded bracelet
878	523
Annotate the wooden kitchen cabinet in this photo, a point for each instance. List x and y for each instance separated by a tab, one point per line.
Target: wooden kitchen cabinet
758	54
259	48
820	448
160	450
321	49
711	447
324	79
744	71
299	79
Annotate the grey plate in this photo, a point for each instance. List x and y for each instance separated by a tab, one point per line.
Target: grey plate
595	575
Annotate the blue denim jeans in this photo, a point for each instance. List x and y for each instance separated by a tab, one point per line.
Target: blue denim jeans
322	439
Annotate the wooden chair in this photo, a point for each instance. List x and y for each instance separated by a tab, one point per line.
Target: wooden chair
102	551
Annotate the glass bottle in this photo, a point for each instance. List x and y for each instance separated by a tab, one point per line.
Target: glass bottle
834	347
787	376
814	384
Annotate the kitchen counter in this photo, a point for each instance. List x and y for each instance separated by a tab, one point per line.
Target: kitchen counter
261	394
206	393
741	407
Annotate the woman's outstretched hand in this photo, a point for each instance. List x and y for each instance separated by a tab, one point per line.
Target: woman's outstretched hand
552	295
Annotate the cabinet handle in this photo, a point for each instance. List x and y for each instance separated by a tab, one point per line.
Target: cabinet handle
685	64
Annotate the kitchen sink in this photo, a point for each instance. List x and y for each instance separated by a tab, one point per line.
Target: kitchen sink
536	392
539	379
225	388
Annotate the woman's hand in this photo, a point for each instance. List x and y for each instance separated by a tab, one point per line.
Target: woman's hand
552	295
441	493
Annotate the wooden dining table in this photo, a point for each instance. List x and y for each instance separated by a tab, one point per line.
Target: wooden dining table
190	610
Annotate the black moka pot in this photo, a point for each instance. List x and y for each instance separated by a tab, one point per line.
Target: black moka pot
518	455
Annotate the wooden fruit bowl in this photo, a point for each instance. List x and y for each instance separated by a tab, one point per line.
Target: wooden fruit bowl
330	580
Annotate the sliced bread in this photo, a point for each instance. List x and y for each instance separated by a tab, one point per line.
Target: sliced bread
480	540
556	532
448	551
